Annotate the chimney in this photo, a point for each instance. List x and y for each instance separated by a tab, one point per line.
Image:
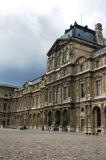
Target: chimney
98	33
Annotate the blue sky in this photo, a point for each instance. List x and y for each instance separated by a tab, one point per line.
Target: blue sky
28	29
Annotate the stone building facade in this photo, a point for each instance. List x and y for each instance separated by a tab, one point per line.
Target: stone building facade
71	96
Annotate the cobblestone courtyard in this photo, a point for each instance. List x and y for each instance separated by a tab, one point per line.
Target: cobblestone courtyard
33	145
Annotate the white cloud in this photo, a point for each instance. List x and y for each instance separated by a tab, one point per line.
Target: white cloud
29	27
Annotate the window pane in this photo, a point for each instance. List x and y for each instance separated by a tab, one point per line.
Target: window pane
83	90
98	87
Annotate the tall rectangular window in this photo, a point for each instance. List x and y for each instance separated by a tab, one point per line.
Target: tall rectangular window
81	67
37	101
46	96
69	90
58	95
98	87
97	63
82	90
65	92
50	97
63	58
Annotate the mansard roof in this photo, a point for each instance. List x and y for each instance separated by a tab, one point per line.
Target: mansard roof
75	31
98	52
37	80
8	86
81	32
32	82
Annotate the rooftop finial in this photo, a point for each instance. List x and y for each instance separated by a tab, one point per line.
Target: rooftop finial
75	23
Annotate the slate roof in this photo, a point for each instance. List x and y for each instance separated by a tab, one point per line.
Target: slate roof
76	31
9	86
98	52
80	32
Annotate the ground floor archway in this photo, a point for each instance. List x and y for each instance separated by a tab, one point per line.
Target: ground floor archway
34	120
39	120
49	118
57	119
65	119
96	119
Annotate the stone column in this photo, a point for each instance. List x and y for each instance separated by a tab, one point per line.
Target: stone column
35	120
47	118
61	121
102	119
72	120
104	84
42	120
45	121
95	117
89	120
68	125
77	120
32	121
53	121
61	118
86	119
42	124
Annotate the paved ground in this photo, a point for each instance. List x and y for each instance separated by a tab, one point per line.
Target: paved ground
33	145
